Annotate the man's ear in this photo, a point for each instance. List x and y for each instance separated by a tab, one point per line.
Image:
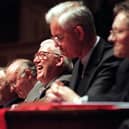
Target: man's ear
79	31
60	61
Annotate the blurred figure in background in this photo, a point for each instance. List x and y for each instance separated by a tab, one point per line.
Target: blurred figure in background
21	75
5	94
51	65
119	35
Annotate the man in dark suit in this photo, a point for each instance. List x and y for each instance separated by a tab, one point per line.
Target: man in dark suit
51	65
119	35
99	73
120	91
73	29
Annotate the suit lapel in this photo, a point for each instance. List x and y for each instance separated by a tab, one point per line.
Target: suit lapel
40	89
45	88
34	94
91	68
123	73
76	75
95	57
122	86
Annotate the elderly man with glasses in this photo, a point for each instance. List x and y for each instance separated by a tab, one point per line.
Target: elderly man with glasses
51	65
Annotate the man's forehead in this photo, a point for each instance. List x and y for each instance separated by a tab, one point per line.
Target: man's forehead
46	48
120	20
49	46
49	43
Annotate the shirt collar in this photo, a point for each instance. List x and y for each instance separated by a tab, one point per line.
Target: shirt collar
85	59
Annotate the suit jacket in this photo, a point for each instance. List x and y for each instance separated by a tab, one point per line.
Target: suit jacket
124	124
11	102
39	90
99	74
120	91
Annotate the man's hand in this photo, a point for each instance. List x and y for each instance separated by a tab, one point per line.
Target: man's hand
60	93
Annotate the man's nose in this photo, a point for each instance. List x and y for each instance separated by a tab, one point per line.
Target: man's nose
111	38
12	88
36	60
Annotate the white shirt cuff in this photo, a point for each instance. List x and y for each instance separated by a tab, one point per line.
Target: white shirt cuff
81	100
84	99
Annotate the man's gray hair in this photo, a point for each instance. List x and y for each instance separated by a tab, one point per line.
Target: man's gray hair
50	44
123	7
24	64
70	14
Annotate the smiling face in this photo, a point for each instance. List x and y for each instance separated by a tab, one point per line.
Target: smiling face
45	60
120	35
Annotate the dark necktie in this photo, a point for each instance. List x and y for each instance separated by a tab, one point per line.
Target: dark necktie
81	70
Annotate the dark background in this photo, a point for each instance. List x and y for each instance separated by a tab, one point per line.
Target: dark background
9	20
10	12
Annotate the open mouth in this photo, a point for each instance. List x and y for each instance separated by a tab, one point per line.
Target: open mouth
39	68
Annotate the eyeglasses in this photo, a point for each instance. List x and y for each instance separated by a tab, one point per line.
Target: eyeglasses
58	38
42	54
116	31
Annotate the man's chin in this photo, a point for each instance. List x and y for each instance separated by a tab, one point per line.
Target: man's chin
119	55
39	78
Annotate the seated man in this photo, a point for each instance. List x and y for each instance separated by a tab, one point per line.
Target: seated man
21	76
51	65
119	35
74	31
